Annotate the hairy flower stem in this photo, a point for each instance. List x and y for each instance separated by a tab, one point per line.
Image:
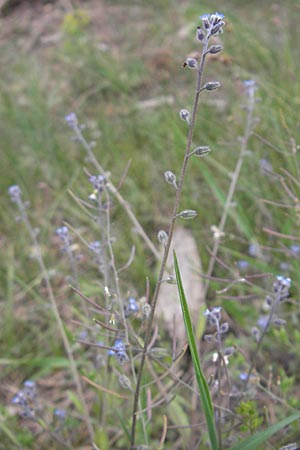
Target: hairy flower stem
261	338
230	194
168	244
73	368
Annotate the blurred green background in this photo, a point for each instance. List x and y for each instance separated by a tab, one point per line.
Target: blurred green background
104	60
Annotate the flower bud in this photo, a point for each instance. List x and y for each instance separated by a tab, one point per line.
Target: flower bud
187	214
162	237
208	337
146	310
269	300
229	351
201	151
255	333
184	115
279	322
224	327
125	382
191	63
215	49
171	279
212	85
170	178
200	34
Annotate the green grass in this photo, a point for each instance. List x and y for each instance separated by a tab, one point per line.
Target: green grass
143	58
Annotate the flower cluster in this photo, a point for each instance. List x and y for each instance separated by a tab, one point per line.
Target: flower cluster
15	193
64	236
25	399
211	24
213	318
118	351
71	120
250	87
98	182
281	288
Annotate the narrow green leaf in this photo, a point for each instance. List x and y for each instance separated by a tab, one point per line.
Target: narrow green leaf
123	425
76	401
252	442
202	383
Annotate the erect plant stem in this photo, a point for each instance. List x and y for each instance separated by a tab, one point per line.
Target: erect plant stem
169	241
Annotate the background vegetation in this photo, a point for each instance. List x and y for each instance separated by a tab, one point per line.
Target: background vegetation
104	63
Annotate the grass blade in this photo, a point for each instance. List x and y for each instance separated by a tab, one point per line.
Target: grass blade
252	442
202	383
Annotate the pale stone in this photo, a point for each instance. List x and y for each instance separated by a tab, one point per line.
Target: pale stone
168	306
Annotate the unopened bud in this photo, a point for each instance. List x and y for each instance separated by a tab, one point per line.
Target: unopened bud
125	382
279	322
208	337
212	85
191	63
171	279
269	300
201	151
229	351
224	327
255	333
170	178
146	310
162	237
184	115
200	34
188	214
215	49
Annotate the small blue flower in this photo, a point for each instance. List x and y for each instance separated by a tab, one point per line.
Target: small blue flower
295	249
243	376
262	321
249	83
15	193
132	307
118	351
250	87
242	265
95	246
71	120
284	281
285	266
60	414
62	233
29	389
253	250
